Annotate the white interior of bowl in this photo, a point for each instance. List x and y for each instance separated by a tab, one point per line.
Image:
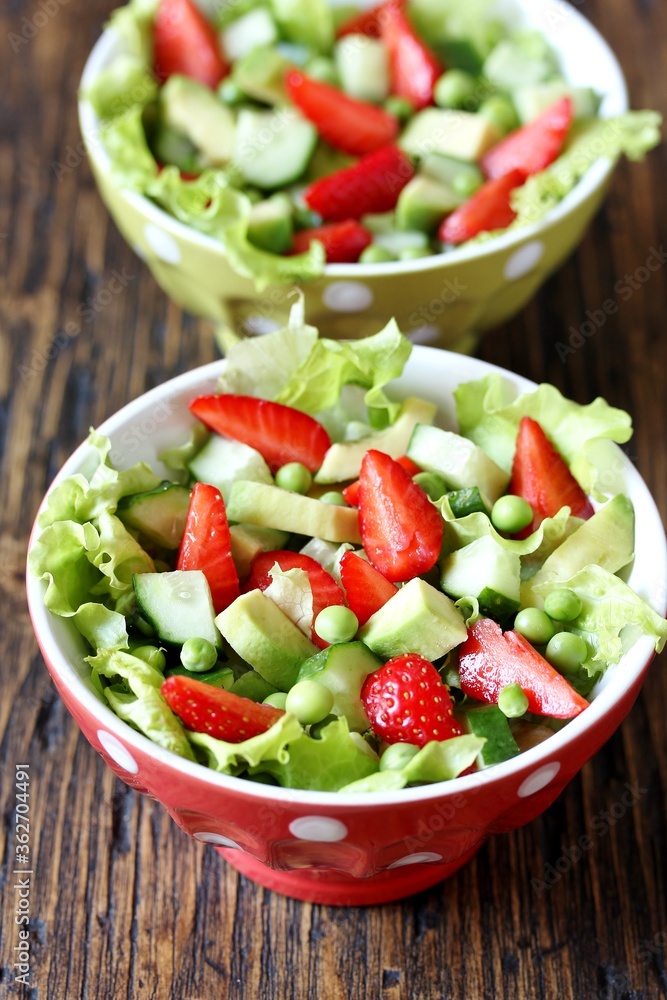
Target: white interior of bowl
586	60
160	419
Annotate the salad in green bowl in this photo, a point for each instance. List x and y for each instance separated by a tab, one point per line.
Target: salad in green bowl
298	133
332	592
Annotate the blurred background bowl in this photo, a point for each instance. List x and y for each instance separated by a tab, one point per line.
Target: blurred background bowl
327	847
446	300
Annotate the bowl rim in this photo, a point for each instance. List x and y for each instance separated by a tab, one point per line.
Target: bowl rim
633	663
594	178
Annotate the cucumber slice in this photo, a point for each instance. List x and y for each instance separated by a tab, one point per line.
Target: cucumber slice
490	723
178	605
222	461
273	147
464	502
343	668
396	241
159	514
252	30
487	571
270	226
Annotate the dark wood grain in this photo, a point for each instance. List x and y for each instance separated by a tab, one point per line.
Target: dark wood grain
123	904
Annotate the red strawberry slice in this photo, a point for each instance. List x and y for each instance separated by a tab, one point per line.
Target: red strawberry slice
489	660
368	22
203	708
414	68
407	702
280	433
343	241
372	185
351	492
325	589
533	147
185	42
366	590
356	127
400	528
541	476
488	209
206	545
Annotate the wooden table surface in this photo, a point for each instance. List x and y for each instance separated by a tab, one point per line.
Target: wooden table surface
123	904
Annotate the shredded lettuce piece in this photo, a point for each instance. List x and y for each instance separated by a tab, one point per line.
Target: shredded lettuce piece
489	412
293	594
612	618
324	764
267	748
138	699
437	761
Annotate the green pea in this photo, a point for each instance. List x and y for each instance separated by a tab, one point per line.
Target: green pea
466	184
336	624
500	112
563	605
375	254
399	107
512	701
534	625
455	89
230	92
413	253
566	652
152	655
294	477
317	727
511	514
397	756
198	655
309	701
276	700
323	69
432	484
334	497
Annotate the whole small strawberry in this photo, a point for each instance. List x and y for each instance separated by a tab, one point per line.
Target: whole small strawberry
407	702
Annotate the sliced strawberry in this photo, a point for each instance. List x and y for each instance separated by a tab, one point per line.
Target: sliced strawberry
414	68
488	209
533	147
541	476
351	492
368	22
343	241
325	589
407	702
489	660
356	127
206	545
203	708
366	589
280	433
400	528
185	42
372	185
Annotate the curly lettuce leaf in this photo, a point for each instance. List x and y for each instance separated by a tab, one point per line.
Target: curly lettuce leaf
134	695
259	751
437	761
128	79
489	412
103	628
612	618
118	557
324	764
61	557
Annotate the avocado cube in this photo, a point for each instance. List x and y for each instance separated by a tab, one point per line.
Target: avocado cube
417	619
423	203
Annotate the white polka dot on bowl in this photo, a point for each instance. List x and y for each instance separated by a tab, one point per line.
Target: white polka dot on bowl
217	840
162	244
119	754
524	260
347	296
421	858
538	780
319	828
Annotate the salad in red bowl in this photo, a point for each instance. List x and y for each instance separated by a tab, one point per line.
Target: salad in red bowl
330	591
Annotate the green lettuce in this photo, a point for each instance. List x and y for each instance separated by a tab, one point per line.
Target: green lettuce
178	459
118	557
292	593
61	557
134	695
612	618
103	628
325	764
437	761
128	80
267	748
489	412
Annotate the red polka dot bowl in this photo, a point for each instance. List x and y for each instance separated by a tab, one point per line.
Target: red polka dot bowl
327	847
